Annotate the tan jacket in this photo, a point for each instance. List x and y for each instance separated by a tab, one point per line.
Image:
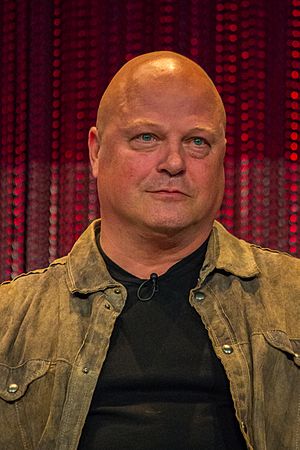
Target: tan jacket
55	326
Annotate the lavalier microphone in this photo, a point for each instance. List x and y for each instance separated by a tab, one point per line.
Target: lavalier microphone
148	286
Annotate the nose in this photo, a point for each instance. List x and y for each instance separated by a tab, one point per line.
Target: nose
172	159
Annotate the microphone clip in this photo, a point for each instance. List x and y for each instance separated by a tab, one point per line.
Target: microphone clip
148	285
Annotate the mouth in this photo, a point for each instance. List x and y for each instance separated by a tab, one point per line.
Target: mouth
169	190
168	193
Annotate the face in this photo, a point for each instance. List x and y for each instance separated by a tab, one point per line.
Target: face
159	162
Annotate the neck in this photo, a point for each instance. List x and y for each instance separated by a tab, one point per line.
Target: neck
142	253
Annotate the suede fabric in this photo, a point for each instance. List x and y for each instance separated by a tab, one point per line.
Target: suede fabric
56	323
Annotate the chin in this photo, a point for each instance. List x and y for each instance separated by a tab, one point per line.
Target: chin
168	227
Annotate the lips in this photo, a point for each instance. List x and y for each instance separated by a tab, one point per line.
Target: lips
168	193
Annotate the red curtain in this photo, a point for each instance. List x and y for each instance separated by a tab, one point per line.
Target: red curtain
57	56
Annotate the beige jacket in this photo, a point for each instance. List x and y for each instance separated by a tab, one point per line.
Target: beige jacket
55	326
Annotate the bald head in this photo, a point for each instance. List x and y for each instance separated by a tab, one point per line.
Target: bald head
160	69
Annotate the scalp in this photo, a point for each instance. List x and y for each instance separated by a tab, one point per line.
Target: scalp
161	68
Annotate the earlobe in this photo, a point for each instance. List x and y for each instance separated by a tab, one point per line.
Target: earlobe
94	147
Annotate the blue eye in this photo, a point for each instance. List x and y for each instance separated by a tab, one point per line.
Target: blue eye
146	137
198	141
144	141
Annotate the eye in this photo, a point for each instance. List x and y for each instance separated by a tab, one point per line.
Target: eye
144	142
145	137
198	146
198	141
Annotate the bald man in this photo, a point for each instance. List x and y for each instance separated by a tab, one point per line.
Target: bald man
159	330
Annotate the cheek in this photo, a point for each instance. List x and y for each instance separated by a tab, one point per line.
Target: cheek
134	169
119	178
208	178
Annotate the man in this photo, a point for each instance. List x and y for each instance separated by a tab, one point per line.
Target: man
159	330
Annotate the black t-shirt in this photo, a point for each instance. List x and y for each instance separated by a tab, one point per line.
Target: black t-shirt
162	386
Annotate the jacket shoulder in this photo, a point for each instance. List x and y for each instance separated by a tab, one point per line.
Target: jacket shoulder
275	258
33	280
246	260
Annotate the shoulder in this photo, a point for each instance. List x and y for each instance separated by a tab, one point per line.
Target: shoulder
277	272
241	253
33	283
276	259
280	272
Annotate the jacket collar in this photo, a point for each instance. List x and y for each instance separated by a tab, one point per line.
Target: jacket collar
227	252
86	269
87	272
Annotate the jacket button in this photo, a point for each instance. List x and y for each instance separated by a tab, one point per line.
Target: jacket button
107	306
199	296
12	388
227	349
117	291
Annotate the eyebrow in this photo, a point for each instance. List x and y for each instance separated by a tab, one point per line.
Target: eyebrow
140	123
148	123
200	129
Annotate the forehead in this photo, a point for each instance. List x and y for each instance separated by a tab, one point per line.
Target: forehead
167	97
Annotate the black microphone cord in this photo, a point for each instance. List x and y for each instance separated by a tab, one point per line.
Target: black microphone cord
148	285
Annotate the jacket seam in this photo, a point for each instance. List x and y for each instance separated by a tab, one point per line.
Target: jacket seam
298	422
23	437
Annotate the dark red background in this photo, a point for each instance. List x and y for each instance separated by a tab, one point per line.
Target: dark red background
57	57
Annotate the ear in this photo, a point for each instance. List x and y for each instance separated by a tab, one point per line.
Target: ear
94	148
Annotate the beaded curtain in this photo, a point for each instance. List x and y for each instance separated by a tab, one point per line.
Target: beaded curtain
56	59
